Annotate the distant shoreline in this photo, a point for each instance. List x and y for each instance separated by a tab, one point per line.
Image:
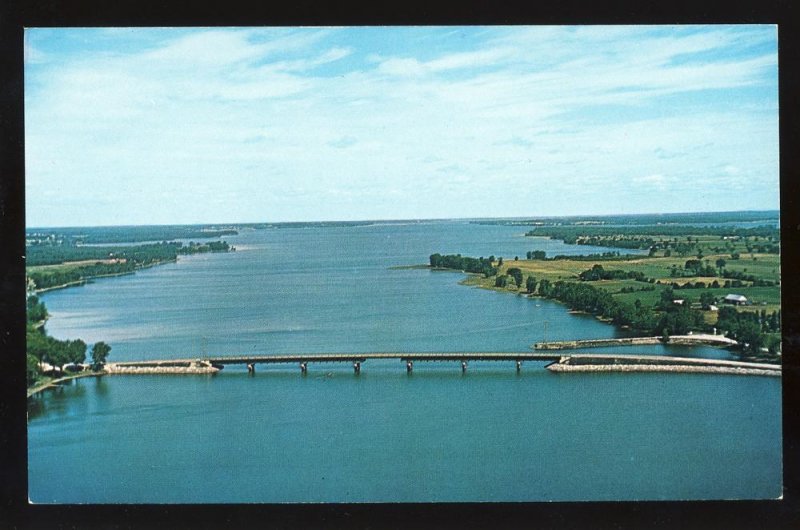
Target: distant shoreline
84	281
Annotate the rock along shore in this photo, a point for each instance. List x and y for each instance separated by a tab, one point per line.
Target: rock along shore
699	338
682	368
192	367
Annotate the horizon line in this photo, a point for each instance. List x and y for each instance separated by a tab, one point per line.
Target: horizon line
389	220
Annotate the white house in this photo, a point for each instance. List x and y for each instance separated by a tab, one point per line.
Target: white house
736	299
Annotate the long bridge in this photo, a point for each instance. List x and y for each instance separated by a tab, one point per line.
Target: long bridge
559	362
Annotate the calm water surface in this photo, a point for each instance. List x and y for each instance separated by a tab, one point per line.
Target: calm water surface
437	435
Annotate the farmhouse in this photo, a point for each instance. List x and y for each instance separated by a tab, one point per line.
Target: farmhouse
736	299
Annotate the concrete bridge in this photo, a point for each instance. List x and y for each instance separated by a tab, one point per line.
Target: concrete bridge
302	359
559	362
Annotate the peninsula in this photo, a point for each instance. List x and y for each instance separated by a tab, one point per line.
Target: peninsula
710	278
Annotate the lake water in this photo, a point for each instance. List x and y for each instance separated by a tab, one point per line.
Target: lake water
383	436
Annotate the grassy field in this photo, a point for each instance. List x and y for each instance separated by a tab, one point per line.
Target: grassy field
765	267
71	265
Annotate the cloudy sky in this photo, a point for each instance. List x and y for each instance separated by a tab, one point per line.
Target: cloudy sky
213	125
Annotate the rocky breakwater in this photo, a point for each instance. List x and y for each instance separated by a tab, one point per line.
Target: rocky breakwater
611	363
163	367
684	340
731	370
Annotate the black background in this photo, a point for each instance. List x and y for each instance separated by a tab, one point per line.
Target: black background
15	512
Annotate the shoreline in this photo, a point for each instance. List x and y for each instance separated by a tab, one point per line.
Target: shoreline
686	340
55	382
84	281
681	340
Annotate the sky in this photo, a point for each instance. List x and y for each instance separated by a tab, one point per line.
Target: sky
226	125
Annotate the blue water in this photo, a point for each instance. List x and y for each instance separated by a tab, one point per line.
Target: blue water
331	436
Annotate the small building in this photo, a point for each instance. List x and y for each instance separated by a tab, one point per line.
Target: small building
712	307
735	299
678	301
49	369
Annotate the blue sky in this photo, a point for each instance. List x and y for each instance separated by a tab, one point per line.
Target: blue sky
214	125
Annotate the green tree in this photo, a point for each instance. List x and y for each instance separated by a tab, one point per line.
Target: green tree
773	344
530	284
48	349
501	280
680	320
100	352
720	263
749	336
36	343
707	299
667	296
32	369
76	351
36	310
545	288
516	273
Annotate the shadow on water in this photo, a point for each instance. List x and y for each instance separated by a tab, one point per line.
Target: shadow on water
100	386
55	400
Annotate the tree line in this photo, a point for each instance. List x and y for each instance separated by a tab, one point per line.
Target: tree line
461	263
751	329
124	234
42	348
139	254
541	255
572	233
597	272
125	260
53	278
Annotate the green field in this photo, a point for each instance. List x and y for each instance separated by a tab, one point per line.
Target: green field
765	267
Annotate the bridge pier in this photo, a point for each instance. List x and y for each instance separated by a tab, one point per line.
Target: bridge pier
303	368
357	367
463	366
409	366
251	368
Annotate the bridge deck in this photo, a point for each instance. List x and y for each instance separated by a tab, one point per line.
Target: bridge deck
358	357
562	357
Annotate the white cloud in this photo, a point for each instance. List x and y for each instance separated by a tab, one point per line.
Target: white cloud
658	182
546	111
